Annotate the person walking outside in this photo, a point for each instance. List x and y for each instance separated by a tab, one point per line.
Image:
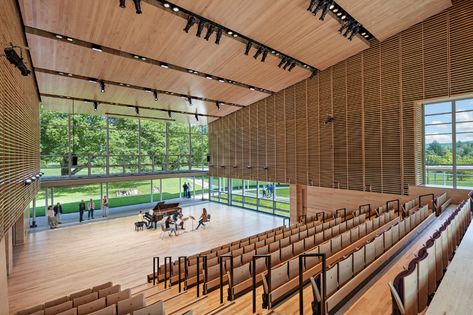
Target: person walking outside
189	190
185	187
81	210
57	212
90	212
105	206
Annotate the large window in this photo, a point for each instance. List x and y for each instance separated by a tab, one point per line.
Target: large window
255	195
448	129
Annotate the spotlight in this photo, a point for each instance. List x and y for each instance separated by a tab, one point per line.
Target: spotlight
200	28
311	5
289	61
210	31
138	6
354	31
265	54
208	77
190	22
221	80
258	52
314	73
97	48
102	86
37	176
248	47
283	61
122	4
69	39
155	93
169	114
196	116
235	35
167	5
33	178
229	32
189	99
92	80
137	110
58	36
164	65
218	37
96	105
217	103
27	182
252	88
293	64
175	9
16	60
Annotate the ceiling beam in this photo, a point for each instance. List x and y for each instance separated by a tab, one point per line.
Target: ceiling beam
135	87
126	105
124	54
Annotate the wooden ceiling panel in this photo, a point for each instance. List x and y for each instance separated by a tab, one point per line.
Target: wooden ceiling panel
284	25
77	88
80	107
157	34
385	18
61	56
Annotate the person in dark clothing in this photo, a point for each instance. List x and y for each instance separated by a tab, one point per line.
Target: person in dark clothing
57	212
81	210
185	188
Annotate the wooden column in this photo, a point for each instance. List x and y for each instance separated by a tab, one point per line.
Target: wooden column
298	202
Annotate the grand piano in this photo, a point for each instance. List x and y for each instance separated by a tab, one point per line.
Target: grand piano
162	209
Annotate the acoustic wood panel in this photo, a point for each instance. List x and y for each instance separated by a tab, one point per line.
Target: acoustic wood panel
375	141
261	147
290	135
253	133
19	125
386	18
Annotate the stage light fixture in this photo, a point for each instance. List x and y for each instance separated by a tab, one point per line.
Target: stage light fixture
210	30
189	100
167	5
92	80
96	105
33	178
293	64
155	93
122	4
282	62
175	9
248	47
190	22
196	116
138	6
288	62
27	182
217	103
102	86
16	60
58	36
97	48
219	36
258	52
164	65
169	114
137	110
200	28
265	54
252	88
229	32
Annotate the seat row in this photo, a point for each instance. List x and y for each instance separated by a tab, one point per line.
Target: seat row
442	202
283	279
104	299
412	288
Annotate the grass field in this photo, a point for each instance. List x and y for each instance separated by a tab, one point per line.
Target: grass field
69	197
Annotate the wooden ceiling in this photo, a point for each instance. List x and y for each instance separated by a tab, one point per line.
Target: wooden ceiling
157	34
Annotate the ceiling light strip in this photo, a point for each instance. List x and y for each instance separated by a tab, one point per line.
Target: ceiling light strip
186	14
135	87
125	105
120	53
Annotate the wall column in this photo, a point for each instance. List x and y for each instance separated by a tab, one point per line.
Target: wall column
4	309
298	202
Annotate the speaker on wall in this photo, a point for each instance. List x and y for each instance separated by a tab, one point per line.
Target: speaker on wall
208	158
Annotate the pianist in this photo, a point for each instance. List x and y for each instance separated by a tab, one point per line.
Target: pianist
150	217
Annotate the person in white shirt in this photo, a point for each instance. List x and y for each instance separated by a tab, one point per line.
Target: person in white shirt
141	218
51	218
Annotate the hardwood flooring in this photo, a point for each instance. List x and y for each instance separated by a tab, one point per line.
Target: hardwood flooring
58	262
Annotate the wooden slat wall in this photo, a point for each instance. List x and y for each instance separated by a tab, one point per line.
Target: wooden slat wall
254	140
261	146
375	97
19	125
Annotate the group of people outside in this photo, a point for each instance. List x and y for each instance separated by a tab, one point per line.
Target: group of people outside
54	213
268	191
187	190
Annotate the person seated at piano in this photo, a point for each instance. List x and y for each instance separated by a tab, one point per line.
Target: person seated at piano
141	219
170	225
149	216
203	218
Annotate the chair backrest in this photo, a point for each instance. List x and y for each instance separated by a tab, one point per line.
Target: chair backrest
91	307
85	299
40	312
72	311
102	286
156	308
80	293
31	310
58	308
56	302
130	305
110	290
109	310
119	296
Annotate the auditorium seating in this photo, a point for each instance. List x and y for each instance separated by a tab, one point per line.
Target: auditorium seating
442	202
412	288
104	299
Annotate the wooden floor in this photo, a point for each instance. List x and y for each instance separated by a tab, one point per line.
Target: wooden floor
57	262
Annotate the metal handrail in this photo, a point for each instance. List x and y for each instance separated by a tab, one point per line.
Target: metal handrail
344	212
317	215
301	282
394	201
268	268
434	206
369	208
155	266
198	272
179	269
221	259
284	221
165	270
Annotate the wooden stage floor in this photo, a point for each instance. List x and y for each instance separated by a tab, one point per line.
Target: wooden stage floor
58	262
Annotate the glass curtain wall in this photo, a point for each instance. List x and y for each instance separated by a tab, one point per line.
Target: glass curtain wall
76	144
448	143
255	195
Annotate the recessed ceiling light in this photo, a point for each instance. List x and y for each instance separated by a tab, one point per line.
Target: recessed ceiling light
163	65
335	11
175	9
339	13
235	35
277	54
136	57
221	80
69	39
252	88
195	72
208	77
167	5
229	32
61	73
96	48
143	58
128	85
92	80
344	17
122	84
331	7
190	71
69	74
58	36
363	34
273	52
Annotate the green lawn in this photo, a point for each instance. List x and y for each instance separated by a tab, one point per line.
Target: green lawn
70	197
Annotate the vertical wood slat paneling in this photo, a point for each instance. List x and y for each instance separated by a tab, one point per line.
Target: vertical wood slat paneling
253	140
261	155
377	136
19	126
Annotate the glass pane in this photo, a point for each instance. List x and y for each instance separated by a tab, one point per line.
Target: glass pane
464	105
437	152
465	148
129	193
464	116
438	129
437	108
438	119
465	127
170	188
439	176
465	177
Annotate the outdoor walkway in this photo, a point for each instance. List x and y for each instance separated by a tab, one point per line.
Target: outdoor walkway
71	219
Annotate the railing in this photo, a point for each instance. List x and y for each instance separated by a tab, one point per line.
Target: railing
198	272
221	259
179	270
396	201
339	210
434	210
57	165
155	268
361	207
166	271
267	258
301	281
